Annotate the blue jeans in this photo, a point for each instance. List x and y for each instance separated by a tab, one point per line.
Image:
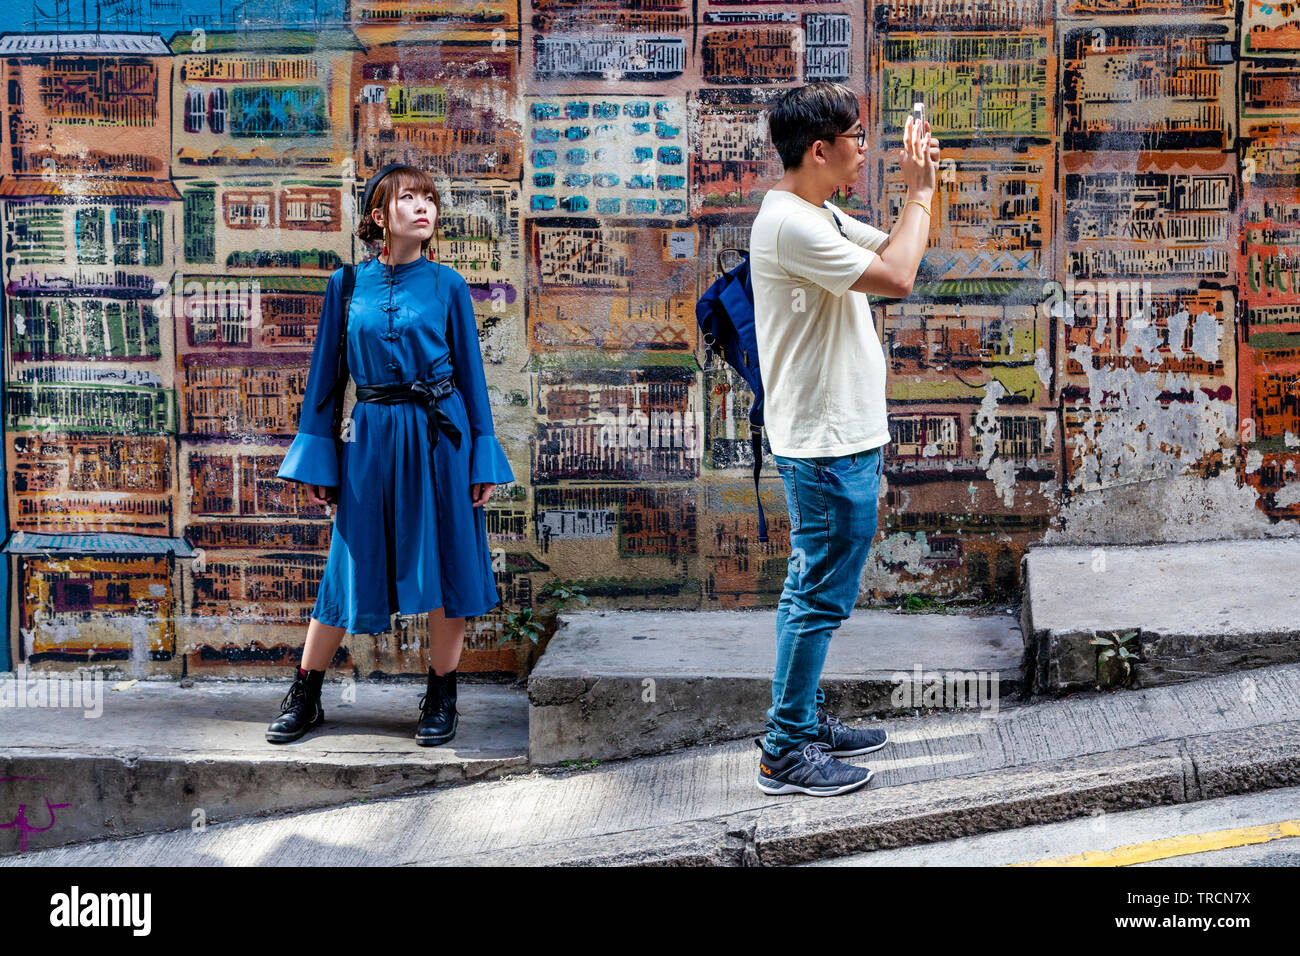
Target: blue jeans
832	504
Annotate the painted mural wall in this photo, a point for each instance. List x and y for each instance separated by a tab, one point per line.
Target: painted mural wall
1103	344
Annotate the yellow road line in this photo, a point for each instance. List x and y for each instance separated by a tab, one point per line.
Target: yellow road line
1174	846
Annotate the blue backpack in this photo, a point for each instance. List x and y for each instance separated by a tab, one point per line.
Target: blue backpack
725	314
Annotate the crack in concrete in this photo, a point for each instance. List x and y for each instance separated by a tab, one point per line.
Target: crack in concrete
1191	775
740	841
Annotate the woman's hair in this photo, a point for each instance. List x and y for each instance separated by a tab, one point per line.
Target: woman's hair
399	180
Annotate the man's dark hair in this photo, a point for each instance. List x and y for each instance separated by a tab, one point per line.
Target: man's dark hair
802	115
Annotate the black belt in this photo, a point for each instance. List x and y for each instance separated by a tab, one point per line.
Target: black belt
426	393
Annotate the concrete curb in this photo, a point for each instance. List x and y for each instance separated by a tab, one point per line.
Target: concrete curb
1175	771
1073	594
617	684
130	795
165	757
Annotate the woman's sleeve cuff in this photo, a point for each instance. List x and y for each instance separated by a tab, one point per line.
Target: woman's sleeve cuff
312	460
488	462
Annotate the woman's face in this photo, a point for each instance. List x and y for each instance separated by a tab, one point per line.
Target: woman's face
411	214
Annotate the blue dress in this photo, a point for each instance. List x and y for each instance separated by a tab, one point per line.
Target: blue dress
405	540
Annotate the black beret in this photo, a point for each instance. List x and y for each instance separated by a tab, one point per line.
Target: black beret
373	181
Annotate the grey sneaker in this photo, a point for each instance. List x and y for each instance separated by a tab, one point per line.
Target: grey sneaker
808	769
844	741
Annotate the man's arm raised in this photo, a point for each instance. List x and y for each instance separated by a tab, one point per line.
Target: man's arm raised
892	272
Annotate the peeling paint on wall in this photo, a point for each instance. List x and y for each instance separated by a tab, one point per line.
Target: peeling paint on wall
1102	344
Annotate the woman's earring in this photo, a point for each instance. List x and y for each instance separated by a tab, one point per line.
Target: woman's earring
385	251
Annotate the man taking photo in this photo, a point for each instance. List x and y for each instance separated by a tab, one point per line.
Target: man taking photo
823	373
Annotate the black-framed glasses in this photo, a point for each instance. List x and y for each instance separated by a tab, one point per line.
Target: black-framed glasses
860	136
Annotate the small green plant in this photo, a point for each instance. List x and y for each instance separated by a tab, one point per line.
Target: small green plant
525	624
1114	660
927	604
581	764
560	593
521	625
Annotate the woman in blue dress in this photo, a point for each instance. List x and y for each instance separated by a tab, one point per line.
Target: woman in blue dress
419	456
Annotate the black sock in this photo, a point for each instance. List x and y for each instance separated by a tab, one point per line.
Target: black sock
776	758
315	679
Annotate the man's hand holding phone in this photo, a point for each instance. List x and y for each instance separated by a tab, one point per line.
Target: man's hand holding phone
919	158
893	274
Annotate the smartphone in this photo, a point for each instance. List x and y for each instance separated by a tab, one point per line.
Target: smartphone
918	111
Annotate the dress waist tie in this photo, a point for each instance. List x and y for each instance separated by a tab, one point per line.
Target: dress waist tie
427	393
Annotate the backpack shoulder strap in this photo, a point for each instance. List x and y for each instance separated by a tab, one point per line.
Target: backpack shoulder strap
837	220
729	297
349	282
756	443
341	379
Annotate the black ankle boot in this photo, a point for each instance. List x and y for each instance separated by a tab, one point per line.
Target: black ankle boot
438	715
300	710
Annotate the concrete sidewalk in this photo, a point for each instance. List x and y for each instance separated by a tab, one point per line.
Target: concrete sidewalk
942	776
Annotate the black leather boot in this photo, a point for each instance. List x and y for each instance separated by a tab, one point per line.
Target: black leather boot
300	710
438	716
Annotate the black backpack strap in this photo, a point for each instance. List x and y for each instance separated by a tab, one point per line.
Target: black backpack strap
756	440
341	380
837	220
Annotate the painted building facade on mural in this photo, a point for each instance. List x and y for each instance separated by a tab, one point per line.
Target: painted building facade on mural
261	149
88	211
1107	309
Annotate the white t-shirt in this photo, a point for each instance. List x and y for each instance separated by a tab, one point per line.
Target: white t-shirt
823	367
